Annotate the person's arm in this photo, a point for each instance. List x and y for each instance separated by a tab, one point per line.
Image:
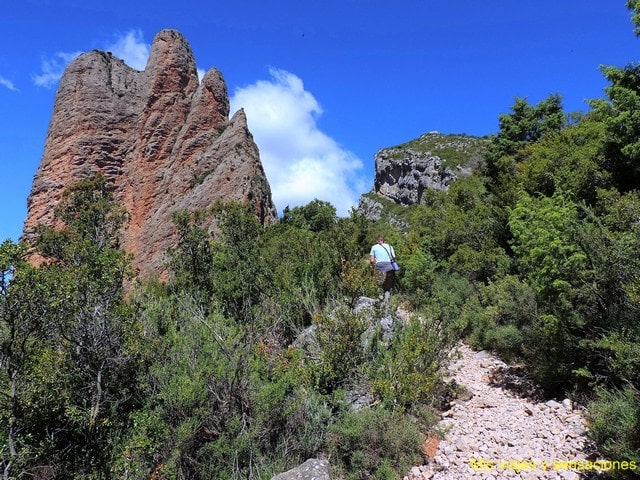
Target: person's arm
372	259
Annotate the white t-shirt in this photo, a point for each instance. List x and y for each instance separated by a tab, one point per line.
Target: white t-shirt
381	252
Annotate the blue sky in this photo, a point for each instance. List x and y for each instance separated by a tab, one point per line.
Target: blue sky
325	84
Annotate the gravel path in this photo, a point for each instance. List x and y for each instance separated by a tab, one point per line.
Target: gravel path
496	433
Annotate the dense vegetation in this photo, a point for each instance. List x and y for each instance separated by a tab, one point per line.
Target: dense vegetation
246	361
206	375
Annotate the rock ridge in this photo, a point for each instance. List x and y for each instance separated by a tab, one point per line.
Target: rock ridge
162	139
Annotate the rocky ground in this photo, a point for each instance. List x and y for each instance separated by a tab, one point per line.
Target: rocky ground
493	431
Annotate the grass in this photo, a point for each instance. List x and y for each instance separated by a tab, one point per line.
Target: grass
453	149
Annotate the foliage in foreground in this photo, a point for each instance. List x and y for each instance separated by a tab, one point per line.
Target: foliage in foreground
242	365
204	376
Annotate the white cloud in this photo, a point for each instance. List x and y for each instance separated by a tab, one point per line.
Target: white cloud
53	68
301	162
8	84
131	49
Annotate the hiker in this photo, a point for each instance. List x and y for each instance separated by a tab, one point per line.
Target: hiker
381	258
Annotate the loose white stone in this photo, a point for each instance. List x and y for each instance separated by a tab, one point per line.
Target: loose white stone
553	404
496	434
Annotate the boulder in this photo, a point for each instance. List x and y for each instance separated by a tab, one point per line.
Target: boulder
312	469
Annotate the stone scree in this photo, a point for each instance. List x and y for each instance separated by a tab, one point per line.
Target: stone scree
497	434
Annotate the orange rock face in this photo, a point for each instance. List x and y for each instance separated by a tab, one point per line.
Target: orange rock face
163	140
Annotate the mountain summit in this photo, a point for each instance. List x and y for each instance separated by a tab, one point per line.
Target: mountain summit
430	162
161	138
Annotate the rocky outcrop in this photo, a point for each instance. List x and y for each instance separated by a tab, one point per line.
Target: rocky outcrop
404	180
162	139
312	469
432	161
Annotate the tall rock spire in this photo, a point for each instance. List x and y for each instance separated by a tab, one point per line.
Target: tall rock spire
162	139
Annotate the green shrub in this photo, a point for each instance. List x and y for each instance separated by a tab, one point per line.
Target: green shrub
614	424
373	443
291	421
339	336
506	339
385	472
501	317
623	358
407	371
232	454
301	277
418	275
357	280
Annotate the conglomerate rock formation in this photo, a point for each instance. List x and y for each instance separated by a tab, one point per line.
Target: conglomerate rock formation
162	139
404	173
430	162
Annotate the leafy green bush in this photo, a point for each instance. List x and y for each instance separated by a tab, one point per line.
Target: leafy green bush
316	216
623	354
507	339
358	280
407	371
418	275
291	418
69	379
302	270
385	472
368	444
505	310
614	424
339	336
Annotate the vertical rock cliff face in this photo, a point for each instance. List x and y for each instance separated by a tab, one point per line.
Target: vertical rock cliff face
403	174
163	140
430	162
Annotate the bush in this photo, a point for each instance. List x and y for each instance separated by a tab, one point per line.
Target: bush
341	349
502	317
303	270
358	281
291	421
385	472
407	371
368	444
506	339
614	424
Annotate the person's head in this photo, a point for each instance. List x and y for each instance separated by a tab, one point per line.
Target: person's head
380	239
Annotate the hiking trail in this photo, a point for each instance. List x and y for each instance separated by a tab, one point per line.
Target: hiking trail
493	431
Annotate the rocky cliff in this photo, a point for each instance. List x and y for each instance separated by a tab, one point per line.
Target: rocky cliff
162	139
432	161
